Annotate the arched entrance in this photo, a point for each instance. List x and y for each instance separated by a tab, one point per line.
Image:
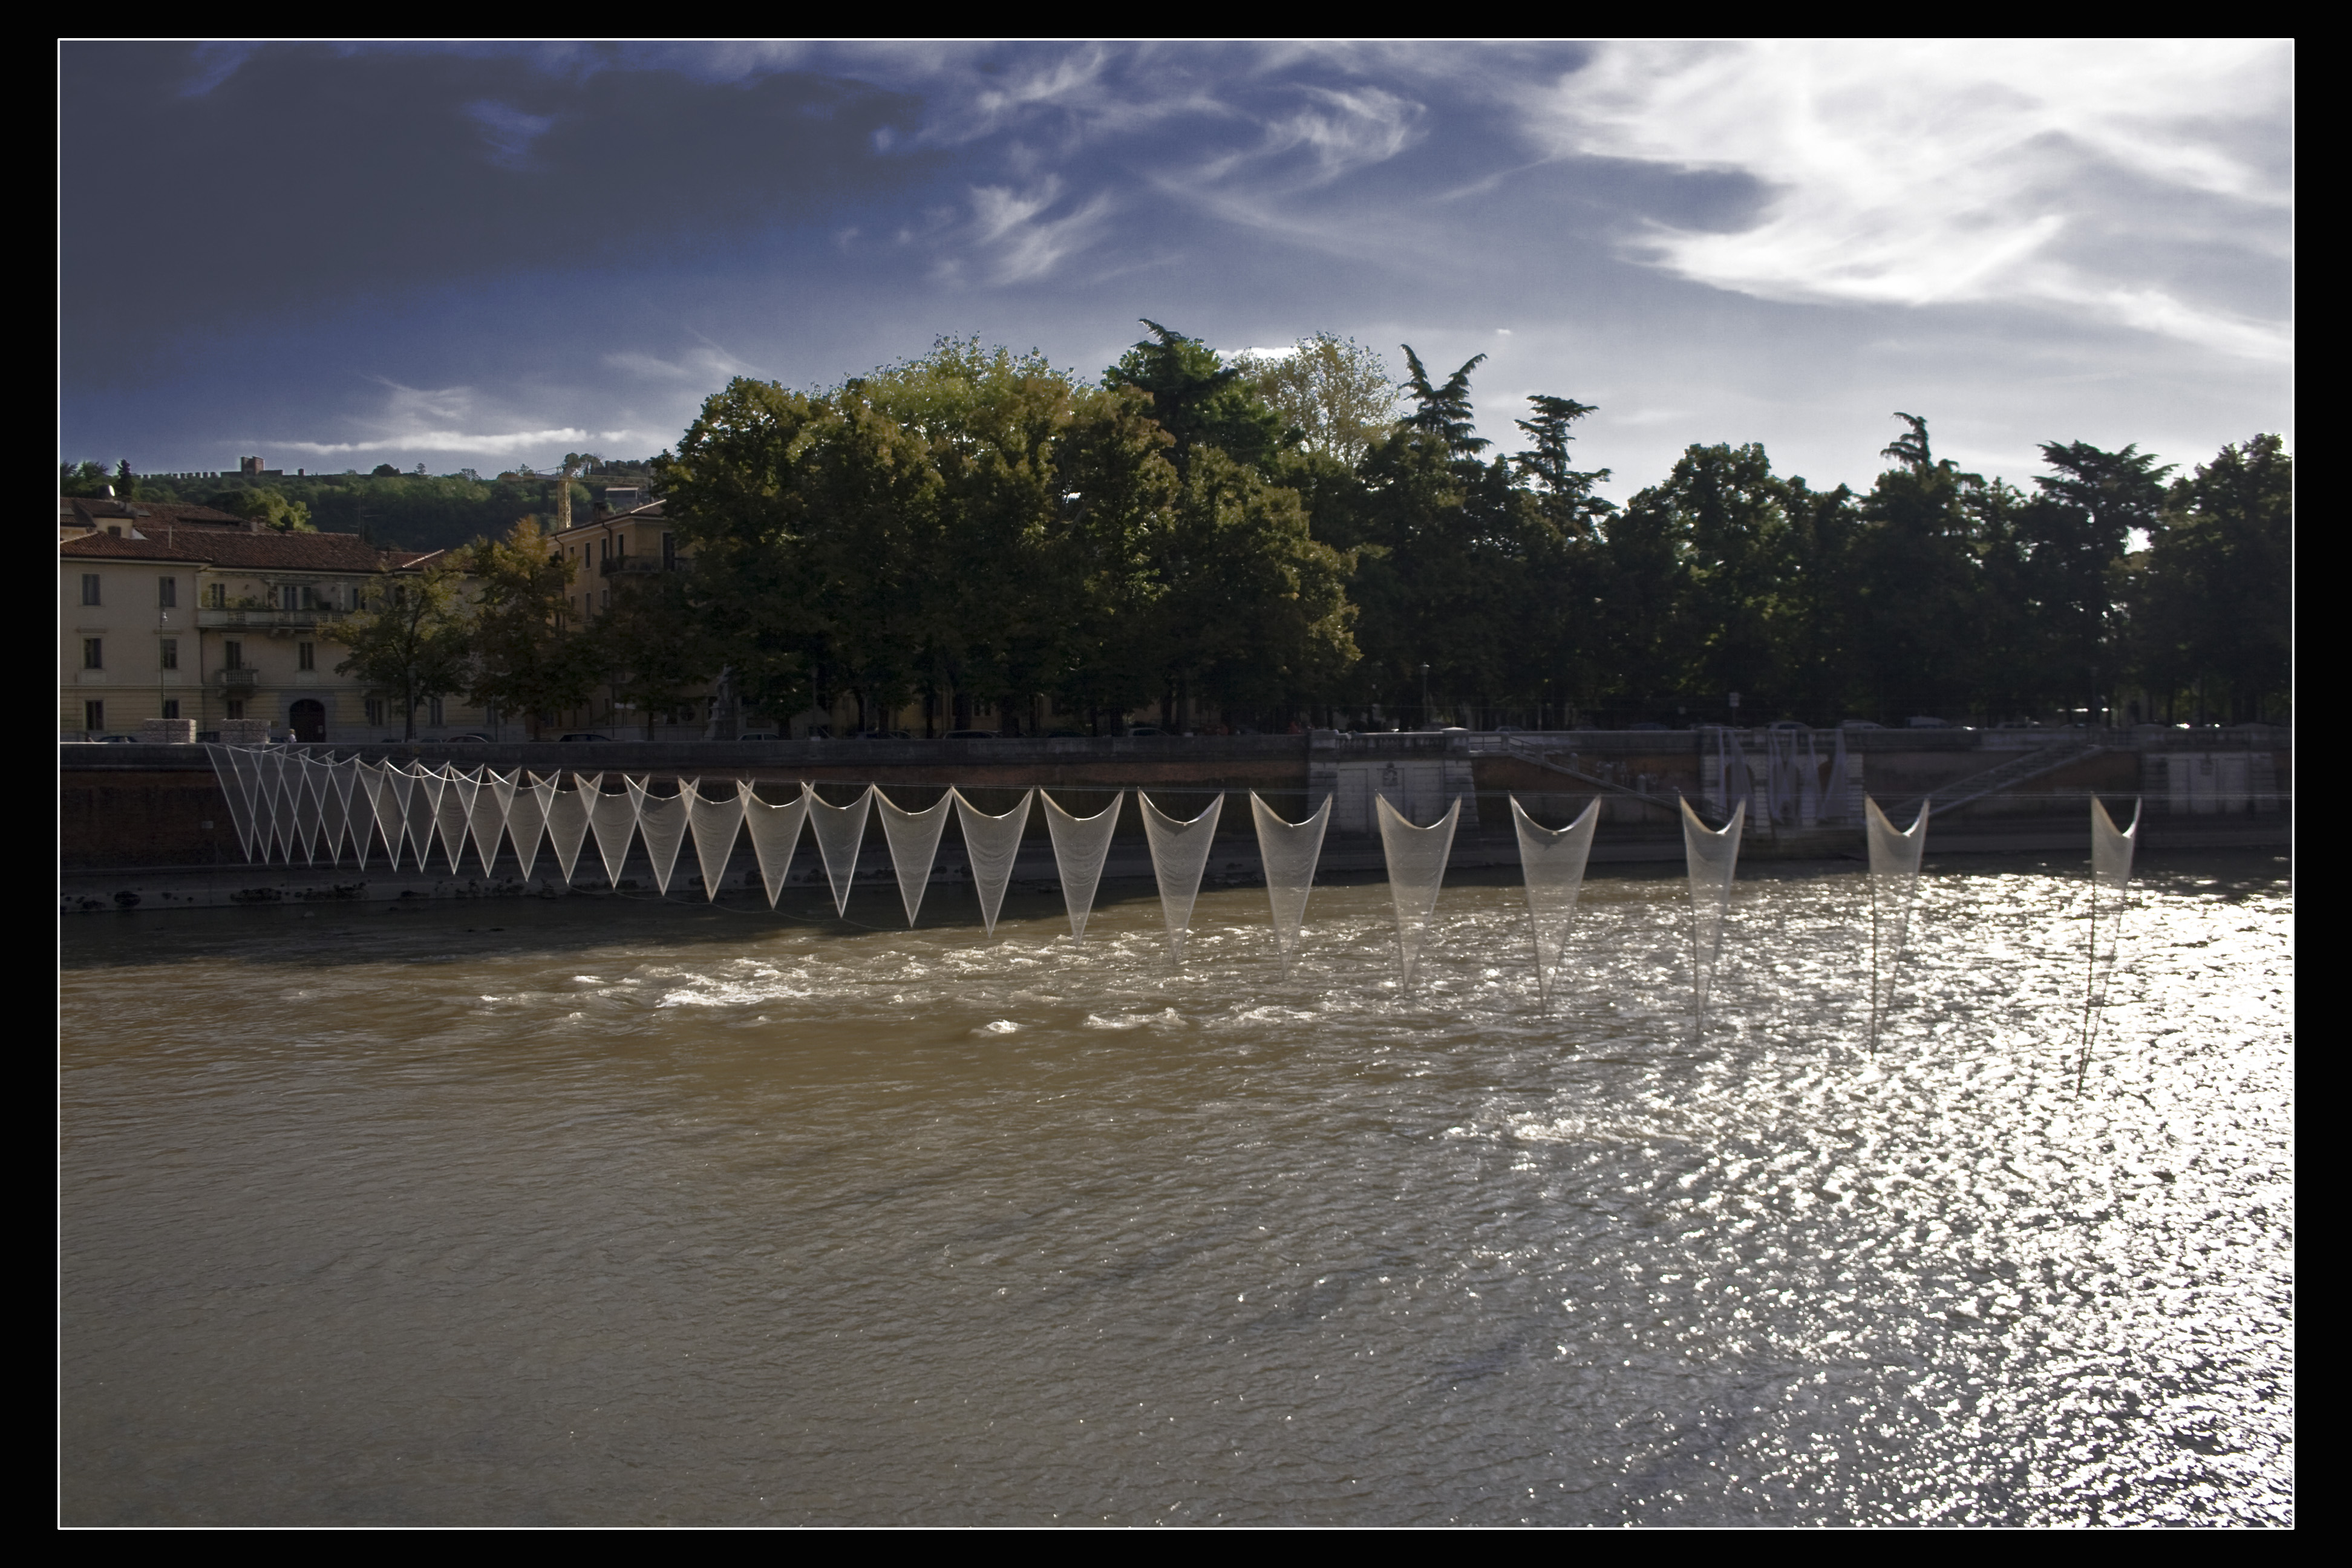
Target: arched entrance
307	720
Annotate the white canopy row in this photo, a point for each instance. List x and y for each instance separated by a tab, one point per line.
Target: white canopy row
288	805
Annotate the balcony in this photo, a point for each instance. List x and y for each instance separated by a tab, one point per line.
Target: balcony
237	679
232	618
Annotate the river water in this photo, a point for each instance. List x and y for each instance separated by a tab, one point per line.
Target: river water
599	1211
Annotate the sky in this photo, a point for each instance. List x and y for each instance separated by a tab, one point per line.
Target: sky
333	256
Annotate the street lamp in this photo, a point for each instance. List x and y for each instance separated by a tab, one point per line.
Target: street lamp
1424	694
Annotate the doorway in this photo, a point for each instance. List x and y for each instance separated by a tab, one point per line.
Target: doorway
307	720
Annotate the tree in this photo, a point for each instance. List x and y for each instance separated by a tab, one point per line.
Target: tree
652	645
1333	396
84	479
2212	612
1442	416
1198	399
268	507
527	656
410	640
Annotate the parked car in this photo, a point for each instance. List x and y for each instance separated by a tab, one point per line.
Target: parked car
1066	734
1645	724
1860	724
1787	724
584	736
969	736
471	738
881	735
119	740
1146	729
759	735
1925	721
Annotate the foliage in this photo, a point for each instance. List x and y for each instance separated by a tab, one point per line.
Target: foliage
411	642
1333	396
268	507
528	657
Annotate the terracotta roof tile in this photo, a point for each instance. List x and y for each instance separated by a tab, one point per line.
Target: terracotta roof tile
106	546
261	551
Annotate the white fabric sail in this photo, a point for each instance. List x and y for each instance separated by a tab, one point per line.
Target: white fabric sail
1712	858
279	776
614	820
1552	863
1179	855
455	811
1894	882
840	830
1081	844
229	769
568	812
527	820
343	779
486	822
368	797
2111	867
775	833
1289	851
914	840
1416	860
661	823
715	824
990	844
308	812
408	798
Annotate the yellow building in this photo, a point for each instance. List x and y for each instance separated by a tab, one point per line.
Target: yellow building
184	618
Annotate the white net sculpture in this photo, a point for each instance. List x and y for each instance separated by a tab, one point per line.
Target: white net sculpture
527	820
1289	851
1712	858
305	780
1416	860
454	811
612	818
329	844
486	822
280	773
368	792
914	840
1081	844
423	804
567	820
1894	883
229	767
405	837
1552	863
990	844
715	822
840	830
1180	855
661	823
2111	867
775	833
347	811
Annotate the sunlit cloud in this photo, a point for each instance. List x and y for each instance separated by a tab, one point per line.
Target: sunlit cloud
1919	173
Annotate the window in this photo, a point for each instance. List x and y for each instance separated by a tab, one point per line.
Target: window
114	533
93	653
236	706
375	710
89	588
171	708
306	656
93	717
167	653
232	656
167	593
220	595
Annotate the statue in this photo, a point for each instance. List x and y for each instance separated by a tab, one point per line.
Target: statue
722	707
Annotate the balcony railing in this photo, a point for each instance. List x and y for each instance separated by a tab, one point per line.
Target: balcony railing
238	679
231	617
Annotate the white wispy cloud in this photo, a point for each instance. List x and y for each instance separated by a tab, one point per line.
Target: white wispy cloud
1919	172
1020	242
453	419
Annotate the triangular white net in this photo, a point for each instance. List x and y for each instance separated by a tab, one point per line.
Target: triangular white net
456	813
1416	860
527	820
661	821
368	794
1180	855
715	822
423	806
1894	883
840	830
1712	858
775	833
341	779
568	816
2111	868
1081	844
614	820
1289	851
284	786
1552	862
308	810
232	766
990	844
405	836
486	822
914	840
